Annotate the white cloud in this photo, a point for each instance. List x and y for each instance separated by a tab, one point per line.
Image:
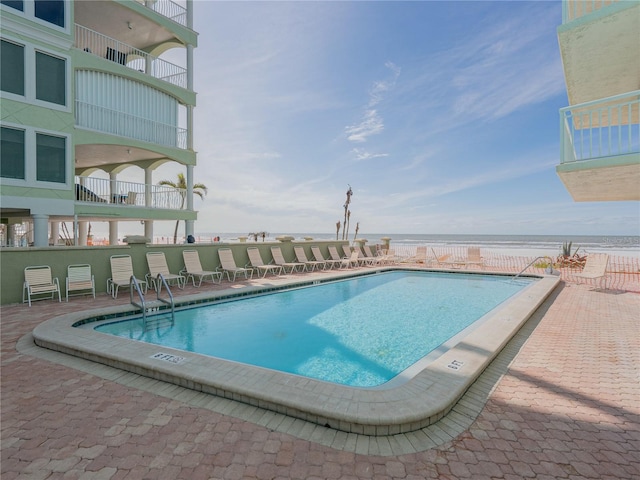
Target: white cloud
362	154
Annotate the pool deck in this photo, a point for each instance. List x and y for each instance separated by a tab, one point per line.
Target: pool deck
562	400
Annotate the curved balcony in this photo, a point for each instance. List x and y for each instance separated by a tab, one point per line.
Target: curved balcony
127	194
106	47
106	120
168	9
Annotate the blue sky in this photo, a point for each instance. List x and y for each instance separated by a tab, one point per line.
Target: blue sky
442	116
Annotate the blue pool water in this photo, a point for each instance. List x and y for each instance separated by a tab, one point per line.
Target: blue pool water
359	332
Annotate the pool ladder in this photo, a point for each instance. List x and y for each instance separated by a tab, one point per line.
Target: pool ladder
549	270
153	305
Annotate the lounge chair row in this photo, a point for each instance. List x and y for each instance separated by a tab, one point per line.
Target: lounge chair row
80	280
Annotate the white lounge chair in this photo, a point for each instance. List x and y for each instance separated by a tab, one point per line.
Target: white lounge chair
228	265
38	281
352	261
121	273
257	264
193	268
80	279
278	259
333	251
595	268
474	258
310	265
158	265
317	255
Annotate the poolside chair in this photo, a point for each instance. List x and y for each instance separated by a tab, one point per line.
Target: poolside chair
257	264
317	255
474	258
352	261
158	265
310	265
278	259
121	273
439	261
80	279
369	257
38	281
228	265
193	268
419	257
333	251
595	268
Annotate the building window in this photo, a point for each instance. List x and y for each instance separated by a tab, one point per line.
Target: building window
50	79
50	158
17	4
12	153
12	64
51	11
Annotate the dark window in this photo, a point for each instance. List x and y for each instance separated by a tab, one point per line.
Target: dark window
51	11
17	4
50	158
50	79
11	153
12	68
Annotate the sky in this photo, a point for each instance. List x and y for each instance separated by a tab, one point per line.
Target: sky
442	117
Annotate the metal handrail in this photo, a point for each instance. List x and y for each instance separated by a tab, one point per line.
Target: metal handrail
549	269
133	284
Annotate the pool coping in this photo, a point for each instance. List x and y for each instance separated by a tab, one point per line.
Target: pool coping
413	405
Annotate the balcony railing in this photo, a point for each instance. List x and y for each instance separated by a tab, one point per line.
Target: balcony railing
128	194
572	9
168	9
110	121
106	47
602	128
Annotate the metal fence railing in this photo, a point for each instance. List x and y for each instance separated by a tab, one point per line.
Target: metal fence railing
601	128
128	194
168	9
572	9
106	47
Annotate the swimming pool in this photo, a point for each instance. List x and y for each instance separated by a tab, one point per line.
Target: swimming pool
427	392
359	332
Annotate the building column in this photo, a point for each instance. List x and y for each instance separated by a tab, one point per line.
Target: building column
83	230
55	233
40	230
113	232
189	223
148	184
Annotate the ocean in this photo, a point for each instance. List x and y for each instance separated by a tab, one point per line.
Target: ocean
519	245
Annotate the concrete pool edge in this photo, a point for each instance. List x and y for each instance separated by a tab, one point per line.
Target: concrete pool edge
420	402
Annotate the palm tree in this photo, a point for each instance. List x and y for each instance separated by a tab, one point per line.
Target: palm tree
181	185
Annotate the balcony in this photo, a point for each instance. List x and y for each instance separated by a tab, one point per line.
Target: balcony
106	47
600	149
603	128
106	120
572	9
168	9
128	194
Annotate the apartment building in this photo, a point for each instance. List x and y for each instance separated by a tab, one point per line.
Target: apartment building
85	95
600	130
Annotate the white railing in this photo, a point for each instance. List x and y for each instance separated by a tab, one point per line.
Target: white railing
111	121
168	9
106	47
129	194
572	9
602	128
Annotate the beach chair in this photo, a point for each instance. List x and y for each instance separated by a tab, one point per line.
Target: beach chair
317	255
228	265
38	281
257	264
158	265
278	259
595	268
193	268
121	273
80	279
310	265
352	261
419	257
369	257
439	260
333	251
474	258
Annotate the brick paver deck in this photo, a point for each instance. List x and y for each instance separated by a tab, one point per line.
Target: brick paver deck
568	407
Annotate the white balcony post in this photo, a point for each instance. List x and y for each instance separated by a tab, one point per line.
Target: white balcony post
113	186
55	233
113	232
148	183
190	14
189	223
190	127
83	230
